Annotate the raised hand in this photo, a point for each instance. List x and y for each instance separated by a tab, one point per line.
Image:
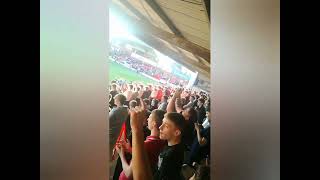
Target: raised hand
120	149
137	116
178	92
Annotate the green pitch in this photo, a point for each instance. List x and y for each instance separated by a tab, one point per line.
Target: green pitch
117	71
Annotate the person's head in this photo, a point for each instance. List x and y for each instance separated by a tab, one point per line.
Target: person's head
197	96
200	102
202	173
137	89
172	127
114	86
132	104
146	88
155	119
154	102
130	87
119	99
164	98
192	98
190	114
147	102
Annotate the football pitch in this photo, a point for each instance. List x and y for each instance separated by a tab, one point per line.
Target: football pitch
117	71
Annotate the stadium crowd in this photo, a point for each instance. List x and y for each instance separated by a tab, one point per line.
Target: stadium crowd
124	57
158	132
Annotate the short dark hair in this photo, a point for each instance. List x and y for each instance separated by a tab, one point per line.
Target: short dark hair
193	114
203	172
165	97
156	101
148	113
147	101
130	86
177	119
114	85
133	103
122	98
159	114
201	100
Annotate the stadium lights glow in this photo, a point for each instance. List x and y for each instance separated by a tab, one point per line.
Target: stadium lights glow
119	28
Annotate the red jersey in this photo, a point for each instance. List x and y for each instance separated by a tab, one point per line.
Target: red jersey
159	95
153	146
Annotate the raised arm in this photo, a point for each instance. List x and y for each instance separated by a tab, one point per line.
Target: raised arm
178	105
139	162
202	141
172	102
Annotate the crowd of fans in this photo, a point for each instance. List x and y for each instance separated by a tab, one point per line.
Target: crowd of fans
158	132
124	57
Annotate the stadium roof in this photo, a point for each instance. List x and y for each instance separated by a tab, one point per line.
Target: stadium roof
137	44
179	29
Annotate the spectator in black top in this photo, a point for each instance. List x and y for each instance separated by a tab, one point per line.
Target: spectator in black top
113	93
196	100
201	110
148	105
171	158
146	93
154	104
117	117
191	117
189	114
201	145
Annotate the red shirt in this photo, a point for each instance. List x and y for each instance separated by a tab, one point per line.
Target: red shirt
153	146
159	95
